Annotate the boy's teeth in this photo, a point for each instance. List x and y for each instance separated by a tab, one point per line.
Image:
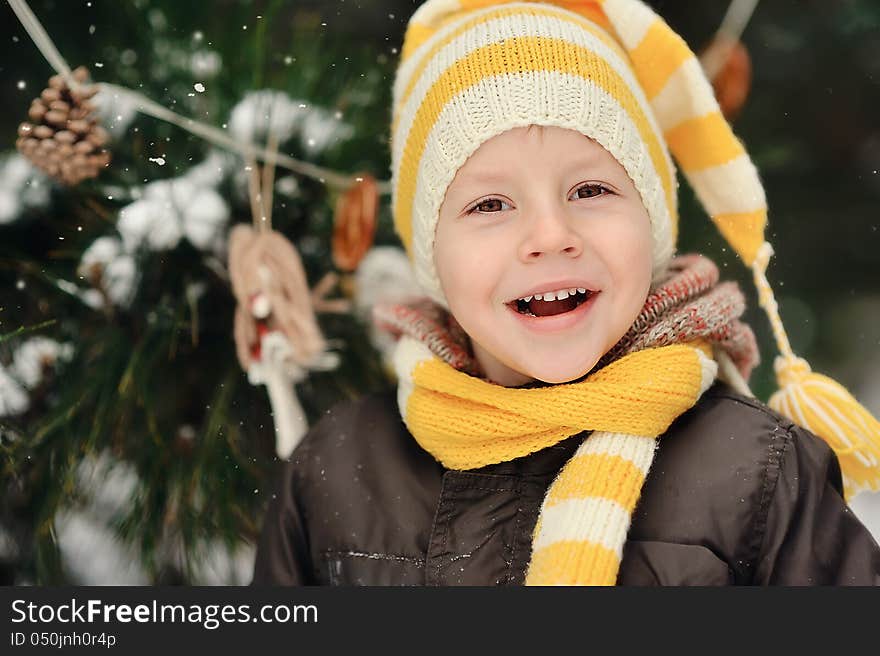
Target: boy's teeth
560	295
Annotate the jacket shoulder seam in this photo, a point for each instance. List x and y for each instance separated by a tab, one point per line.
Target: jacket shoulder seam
772	468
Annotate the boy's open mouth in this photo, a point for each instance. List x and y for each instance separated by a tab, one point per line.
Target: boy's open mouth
535	307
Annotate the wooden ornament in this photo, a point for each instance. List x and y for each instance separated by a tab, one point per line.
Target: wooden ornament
355	223
729	67
277	336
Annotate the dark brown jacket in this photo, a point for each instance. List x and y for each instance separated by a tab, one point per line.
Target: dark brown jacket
736	495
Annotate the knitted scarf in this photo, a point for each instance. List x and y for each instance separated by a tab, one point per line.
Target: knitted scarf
687	327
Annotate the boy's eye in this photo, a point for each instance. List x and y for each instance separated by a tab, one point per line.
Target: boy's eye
591	190
487	206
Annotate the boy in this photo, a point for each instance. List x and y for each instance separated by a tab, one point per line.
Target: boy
562	352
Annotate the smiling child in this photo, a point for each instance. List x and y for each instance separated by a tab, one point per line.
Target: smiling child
572	402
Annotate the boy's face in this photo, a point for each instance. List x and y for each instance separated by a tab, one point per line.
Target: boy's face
534	210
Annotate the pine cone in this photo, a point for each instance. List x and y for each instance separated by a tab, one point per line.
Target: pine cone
64	138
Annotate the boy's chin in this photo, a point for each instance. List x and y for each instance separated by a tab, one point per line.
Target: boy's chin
559	376
558	380
515	372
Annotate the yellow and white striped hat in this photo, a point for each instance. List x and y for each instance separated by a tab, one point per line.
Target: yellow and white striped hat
610	69
616	72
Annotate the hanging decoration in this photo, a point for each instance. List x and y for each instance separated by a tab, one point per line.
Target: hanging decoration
277	336
733	80
63	137
355	223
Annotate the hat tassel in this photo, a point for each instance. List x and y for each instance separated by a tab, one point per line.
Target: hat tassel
821	404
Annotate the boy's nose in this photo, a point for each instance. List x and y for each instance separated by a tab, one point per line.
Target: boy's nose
548	233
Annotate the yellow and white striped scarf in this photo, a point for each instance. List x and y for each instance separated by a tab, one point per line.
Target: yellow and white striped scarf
466	422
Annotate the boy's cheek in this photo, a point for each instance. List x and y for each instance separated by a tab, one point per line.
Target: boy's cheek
459	263
460	282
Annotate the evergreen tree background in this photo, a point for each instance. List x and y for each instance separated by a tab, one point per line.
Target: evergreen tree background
143	455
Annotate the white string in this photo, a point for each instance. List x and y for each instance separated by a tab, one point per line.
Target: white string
737	17
738	14
149	107
767	300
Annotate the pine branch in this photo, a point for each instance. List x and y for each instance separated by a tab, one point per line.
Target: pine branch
24	330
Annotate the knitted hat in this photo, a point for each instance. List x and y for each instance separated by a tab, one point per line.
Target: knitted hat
616	72
472	69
